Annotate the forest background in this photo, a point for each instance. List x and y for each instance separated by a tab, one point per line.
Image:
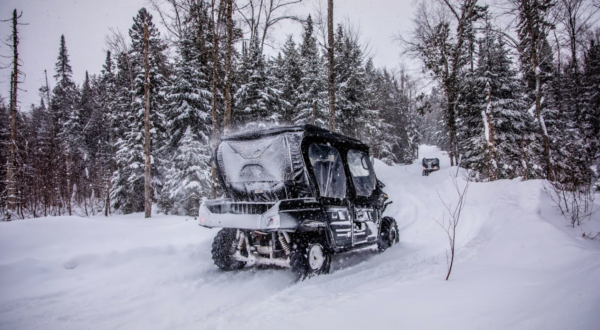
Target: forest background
511	89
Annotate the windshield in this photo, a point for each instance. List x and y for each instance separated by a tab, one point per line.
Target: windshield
262	160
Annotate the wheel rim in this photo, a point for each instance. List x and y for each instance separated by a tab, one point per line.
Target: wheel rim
316	257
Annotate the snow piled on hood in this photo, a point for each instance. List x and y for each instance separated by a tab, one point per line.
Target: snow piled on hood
520	266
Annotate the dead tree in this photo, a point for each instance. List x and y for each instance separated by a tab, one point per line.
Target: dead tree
331	75
261	15
450	224
11	184
147	162
228	72
488	120
216	20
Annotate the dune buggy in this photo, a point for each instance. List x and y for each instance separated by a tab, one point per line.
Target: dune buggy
296	195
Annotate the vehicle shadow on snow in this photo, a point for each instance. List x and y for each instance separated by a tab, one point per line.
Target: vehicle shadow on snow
339	262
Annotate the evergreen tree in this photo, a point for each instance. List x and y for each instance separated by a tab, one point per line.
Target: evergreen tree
128	186
188	179
65	144
64	94
256	101
291	78
312	92
188	107
499	139
591	107
537	68
103	125
349	84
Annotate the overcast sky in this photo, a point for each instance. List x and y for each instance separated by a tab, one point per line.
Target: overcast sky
86	23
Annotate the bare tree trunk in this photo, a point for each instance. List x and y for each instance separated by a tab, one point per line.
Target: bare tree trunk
452	141
147	163
68	176
228	77
523	158
314	113
107	206
11	191
491	145
215	124
47	90
540	118
331	77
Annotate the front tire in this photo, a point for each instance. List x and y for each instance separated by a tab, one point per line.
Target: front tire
389	234
223	249
308	260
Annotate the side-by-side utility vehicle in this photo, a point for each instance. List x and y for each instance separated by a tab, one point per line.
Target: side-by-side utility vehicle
430	165
295	196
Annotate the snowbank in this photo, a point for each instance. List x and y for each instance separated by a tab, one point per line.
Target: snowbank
520	266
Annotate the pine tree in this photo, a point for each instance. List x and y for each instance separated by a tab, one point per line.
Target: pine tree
38	132
102	125
536	65
188	179
349	84
189	113
65	145
256	101
127	183
499	141
512	125
312	92
290	77
591	112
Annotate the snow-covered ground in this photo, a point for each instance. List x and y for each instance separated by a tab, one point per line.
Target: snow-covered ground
520	266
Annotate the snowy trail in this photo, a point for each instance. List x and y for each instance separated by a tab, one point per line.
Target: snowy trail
519	267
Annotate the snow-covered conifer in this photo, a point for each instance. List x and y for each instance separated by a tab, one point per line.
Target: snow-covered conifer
256	101
349	83
188	107
312	92
127	181
188	178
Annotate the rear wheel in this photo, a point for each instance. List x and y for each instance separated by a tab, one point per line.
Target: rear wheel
308	260
389	234
223	250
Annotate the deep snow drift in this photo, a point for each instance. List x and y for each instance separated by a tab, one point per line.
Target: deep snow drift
520	266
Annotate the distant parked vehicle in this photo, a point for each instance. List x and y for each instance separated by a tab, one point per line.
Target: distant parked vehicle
430	165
